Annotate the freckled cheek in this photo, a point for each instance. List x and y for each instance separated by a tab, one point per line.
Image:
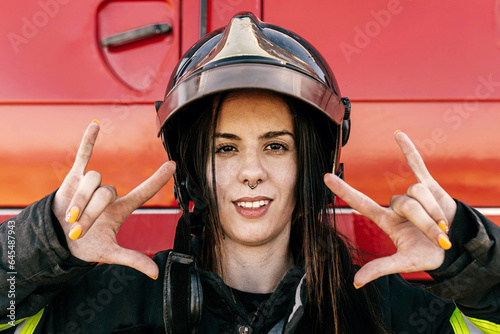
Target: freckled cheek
288	171
286	175
224	176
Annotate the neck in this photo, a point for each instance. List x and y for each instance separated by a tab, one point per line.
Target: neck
256	269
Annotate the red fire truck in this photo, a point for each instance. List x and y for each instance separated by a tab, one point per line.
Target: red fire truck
431	69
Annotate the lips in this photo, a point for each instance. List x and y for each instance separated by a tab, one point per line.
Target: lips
252	207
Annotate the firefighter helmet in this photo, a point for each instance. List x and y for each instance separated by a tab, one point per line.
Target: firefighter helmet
248	53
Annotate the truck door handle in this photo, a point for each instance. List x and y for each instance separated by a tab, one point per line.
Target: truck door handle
134	35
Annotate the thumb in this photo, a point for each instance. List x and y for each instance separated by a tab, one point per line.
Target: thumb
134	259
377	268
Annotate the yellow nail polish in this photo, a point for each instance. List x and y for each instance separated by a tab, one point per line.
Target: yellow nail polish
73	214
442	226
75	232
395	132
95	121
155	278
358	286
444	242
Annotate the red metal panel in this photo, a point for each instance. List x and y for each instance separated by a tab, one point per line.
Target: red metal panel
39	143
458	142
51	53
139	65
190	23
219	12
148	232
401	49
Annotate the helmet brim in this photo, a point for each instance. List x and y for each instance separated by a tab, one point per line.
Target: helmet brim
274	78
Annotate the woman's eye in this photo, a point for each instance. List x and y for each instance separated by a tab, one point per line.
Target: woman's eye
225	149
276	147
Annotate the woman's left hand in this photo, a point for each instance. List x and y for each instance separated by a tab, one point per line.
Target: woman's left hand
416	222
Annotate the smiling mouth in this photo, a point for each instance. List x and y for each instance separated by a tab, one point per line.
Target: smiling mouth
253	205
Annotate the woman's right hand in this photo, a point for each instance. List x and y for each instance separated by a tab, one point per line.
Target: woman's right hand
91	214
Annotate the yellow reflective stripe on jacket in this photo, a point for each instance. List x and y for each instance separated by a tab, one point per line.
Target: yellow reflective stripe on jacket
458	323
461	325
25	325
485	326
31	323
7	326
467	325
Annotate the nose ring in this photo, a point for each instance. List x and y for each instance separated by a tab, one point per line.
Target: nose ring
254	186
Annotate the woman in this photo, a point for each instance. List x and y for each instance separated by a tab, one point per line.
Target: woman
254	120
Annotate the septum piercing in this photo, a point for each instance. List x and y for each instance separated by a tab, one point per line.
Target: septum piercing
253	187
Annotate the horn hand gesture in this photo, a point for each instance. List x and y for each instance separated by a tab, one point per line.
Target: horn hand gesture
417	222
91	214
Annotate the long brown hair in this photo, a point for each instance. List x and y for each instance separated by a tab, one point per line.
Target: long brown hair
334	305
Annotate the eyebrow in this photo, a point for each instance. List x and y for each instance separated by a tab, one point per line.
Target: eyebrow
267	135
274	134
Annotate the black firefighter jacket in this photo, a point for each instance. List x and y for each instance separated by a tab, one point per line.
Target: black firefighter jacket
44	289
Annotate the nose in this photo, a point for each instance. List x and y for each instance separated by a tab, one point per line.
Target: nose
252	170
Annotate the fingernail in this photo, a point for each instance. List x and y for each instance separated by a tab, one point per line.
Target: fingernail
442	225
75	232
395	132
444	242
72	215
152	277
95	121
358	286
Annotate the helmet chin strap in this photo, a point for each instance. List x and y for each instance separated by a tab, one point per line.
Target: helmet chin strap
200	206
183	293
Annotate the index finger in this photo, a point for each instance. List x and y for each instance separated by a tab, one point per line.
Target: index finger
150	187
354	198
413	157
85	150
